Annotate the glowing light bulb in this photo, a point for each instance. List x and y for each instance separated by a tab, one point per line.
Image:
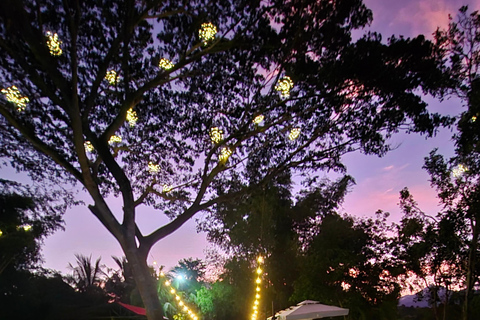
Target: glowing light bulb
258	289
53	44
258	280
459	170
216	135
294	134
166	188
172	291
13	95
165	64
255	307
167	283
88	146
284	86
177	298
225	154
1	233
114	139
132	117
260	260
474	118
207	32
111	77
162	274
180	303
256	302
258	119
185	308
25	227
257	296
152	167
259	270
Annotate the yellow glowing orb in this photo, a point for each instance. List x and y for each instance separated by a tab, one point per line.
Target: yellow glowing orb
207	32
132	117
152	167
216	135
258	289
13	95
1	233
258	280
181	303
284	86
167	283
167	188
25	227
172	291
474	118
259	270
260	260
294	134
88	146
111	76
165	64
225	154
459	170
53	44
258	119
257	296
114	139
162	274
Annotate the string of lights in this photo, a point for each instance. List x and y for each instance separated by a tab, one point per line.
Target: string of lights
258	282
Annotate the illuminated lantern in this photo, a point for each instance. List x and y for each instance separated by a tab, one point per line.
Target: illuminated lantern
111	76
166	188
207	32
165	64
114	139
132	117
258	119
88	146
216	135
225	154
152	167
294	134
284	86
13	95
53	44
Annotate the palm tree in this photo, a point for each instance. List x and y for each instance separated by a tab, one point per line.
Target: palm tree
86	276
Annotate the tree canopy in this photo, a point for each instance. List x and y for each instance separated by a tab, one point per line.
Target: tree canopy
187	105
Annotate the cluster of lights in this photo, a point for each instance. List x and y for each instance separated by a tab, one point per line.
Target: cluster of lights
474	118
167	188
207	32
13	95
54	44
225	154
165	64
459	170
294	134
114	139
111	76
25	227
132	117
258	281
88	146
258	119
216	135
284	86
152	167
178	299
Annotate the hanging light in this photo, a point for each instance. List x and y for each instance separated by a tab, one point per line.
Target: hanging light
216	135
294	134
284	86
207	32
132	117
53	44
165	64
111	76
13	95
114	139
225	154
88	146
258	119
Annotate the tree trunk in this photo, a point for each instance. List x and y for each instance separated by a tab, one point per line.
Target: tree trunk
146	284
470	270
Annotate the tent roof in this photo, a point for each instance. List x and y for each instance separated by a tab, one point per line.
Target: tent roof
309	309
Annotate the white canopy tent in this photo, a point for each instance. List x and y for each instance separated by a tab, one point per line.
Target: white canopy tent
309	310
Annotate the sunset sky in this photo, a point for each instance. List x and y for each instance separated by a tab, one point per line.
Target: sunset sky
378	180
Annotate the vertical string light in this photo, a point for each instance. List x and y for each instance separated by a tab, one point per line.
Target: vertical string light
53	44
258	282
216	134
132	117
178	299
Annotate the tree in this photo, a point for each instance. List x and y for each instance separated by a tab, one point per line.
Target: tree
457	179
87	276
91	96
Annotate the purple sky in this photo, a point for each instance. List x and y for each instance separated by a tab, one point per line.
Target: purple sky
379	180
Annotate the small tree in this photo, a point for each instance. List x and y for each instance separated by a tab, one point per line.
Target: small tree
170	104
